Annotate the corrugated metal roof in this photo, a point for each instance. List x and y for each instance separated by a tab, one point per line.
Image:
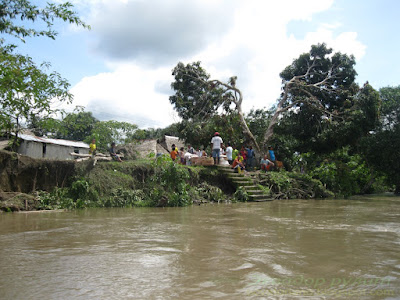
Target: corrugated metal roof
31	138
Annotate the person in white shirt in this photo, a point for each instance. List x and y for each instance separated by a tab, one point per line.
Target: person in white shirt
216	142
266	164
229	151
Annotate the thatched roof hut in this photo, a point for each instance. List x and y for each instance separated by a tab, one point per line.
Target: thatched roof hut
169	140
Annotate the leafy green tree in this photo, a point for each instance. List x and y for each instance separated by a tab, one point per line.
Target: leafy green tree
171	130
44	126
314	131
197	97
317	86
382	147
258	121
390	113
26	89
199	133
106	132
77	125
144	134
342	173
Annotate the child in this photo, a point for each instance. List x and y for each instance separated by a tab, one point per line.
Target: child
237	164
92	147
174	152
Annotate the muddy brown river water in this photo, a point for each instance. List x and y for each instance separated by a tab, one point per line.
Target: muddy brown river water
297	249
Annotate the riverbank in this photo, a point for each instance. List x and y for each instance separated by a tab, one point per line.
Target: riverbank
28	184
36	184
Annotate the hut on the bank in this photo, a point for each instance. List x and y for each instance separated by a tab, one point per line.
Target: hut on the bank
143	148
168	141
40	147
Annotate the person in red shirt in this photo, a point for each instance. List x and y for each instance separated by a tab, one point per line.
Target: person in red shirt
243	154
237	164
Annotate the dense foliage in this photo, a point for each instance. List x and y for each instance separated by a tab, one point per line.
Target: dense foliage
381	148
196	97
137	183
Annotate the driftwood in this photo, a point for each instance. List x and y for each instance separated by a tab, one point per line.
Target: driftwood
98	156
90	155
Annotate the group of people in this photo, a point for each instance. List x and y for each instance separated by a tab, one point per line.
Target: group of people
183	157
243	159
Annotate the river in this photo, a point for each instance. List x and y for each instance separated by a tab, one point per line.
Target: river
291	249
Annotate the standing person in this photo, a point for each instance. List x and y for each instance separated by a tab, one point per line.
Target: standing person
235	153
182	155
271	154
229	152
190	149
188	158
250	157
92	147
174	152
216	143
113	153
243	154
266	163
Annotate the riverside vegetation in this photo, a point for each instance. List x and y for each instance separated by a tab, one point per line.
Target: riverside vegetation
157	182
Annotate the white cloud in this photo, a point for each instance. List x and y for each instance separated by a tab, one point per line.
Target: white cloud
252	44
129	94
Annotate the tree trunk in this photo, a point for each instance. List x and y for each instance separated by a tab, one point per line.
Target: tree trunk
243	124
270	130
247	132
275	118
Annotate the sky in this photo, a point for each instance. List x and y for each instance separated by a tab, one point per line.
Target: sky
121	68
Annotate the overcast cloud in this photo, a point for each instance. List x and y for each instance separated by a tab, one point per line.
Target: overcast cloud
141	41
159	32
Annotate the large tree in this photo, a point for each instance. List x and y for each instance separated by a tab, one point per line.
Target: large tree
318	91
309	129
382	146
106	132
77	125
198	97
26	89
317	86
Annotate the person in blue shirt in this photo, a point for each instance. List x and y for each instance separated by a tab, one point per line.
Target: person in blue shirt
271	154
250	157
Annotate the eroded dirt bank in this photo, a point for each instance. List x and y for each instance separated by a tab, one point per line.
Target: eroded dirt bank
20	175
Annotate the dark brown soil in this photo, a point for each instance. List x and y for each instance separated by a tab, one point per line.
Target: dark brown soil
23	174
